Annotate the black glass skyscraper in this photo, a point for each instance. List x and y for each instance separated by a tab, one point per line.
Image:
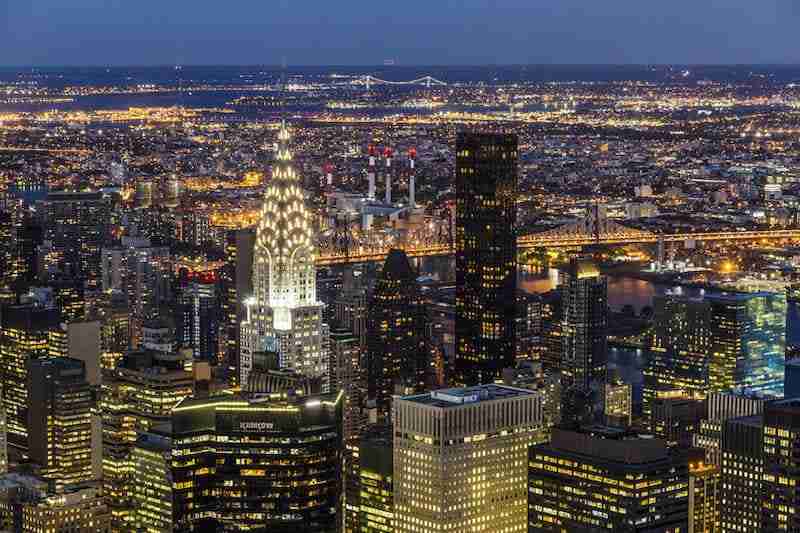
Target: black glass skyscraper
396	353
584	317
486	255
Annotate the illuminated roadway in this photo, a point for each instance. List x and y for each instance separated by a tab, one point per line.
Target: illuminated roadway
551	240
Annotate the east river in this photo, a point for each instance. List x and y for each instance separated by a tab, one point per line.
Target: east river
638	293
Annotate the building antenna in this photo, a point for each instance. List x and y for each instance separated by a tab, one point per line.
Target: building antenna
284	84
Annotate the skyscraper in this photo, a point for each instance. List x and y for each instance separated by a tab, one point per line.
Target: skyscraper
486	255
137	395
396	354
199	316
369	505
284	312
142	272
347	376
152	482
77	224
584	316
29	332
60	420
718	342
742	473
704	498
780	510
269	464
606	480
460	458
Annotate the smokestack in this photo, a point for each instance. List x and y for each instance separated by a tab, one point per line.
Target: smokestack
371	174
412	154
388	154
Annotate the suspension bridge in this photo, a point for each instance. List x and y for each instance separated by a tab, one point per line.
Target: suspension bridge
369	80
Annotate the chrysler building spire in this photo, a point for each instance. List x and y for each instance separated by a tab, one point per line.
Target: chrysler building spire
283	313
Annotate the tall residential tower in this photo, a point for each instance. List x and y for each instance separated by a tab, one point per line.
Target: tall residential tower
486	255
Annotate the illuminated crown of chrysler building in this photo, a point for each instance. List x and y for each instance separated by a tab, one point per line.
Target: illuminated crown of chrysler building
284	314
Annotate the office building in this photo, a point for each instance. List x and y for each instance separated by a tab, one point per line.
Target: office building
142	272
721	407
350	305
780	509
742	466
347	376
396	351
60	406
236	283
606	479
115	336
231	464
369	488
618	403
152	482
83	510
718	342
284	312
29	332
137	395
705	498
677	419
77	224
199	316
486	255
460	458
584	317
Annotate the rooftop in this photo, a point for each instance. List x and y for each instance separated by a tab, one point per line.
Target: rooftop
444	398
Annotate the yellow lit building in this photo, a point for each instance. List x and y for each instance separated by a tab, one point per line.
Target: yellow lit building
82	511
705	492
152	483
284	311
606	479
29	332
460	459
60	407
267	463
138	394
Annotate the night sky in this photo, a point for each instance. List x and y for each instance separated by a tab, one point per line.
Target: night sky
412	32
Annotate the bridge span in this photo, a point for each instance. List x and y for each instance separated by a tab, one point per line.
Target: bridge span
554	239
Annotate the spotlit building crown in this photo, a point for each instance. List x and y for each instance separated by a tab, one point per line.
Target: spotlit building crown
283	310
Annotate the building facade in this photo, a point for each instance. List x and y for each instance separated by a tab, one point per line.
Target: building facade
60	407
396	349
606	480
584	317
284	312
720	342
28	332
486	256
460	458
271	462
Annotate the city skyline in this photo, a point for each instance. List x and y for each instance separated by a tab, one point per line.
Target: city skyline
532	298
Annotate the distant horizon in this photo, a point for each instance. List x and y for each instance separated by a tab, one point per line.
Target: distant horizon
401	65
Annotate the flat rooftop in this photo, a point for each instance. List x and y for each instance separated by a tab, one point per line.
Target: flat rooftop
444	398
